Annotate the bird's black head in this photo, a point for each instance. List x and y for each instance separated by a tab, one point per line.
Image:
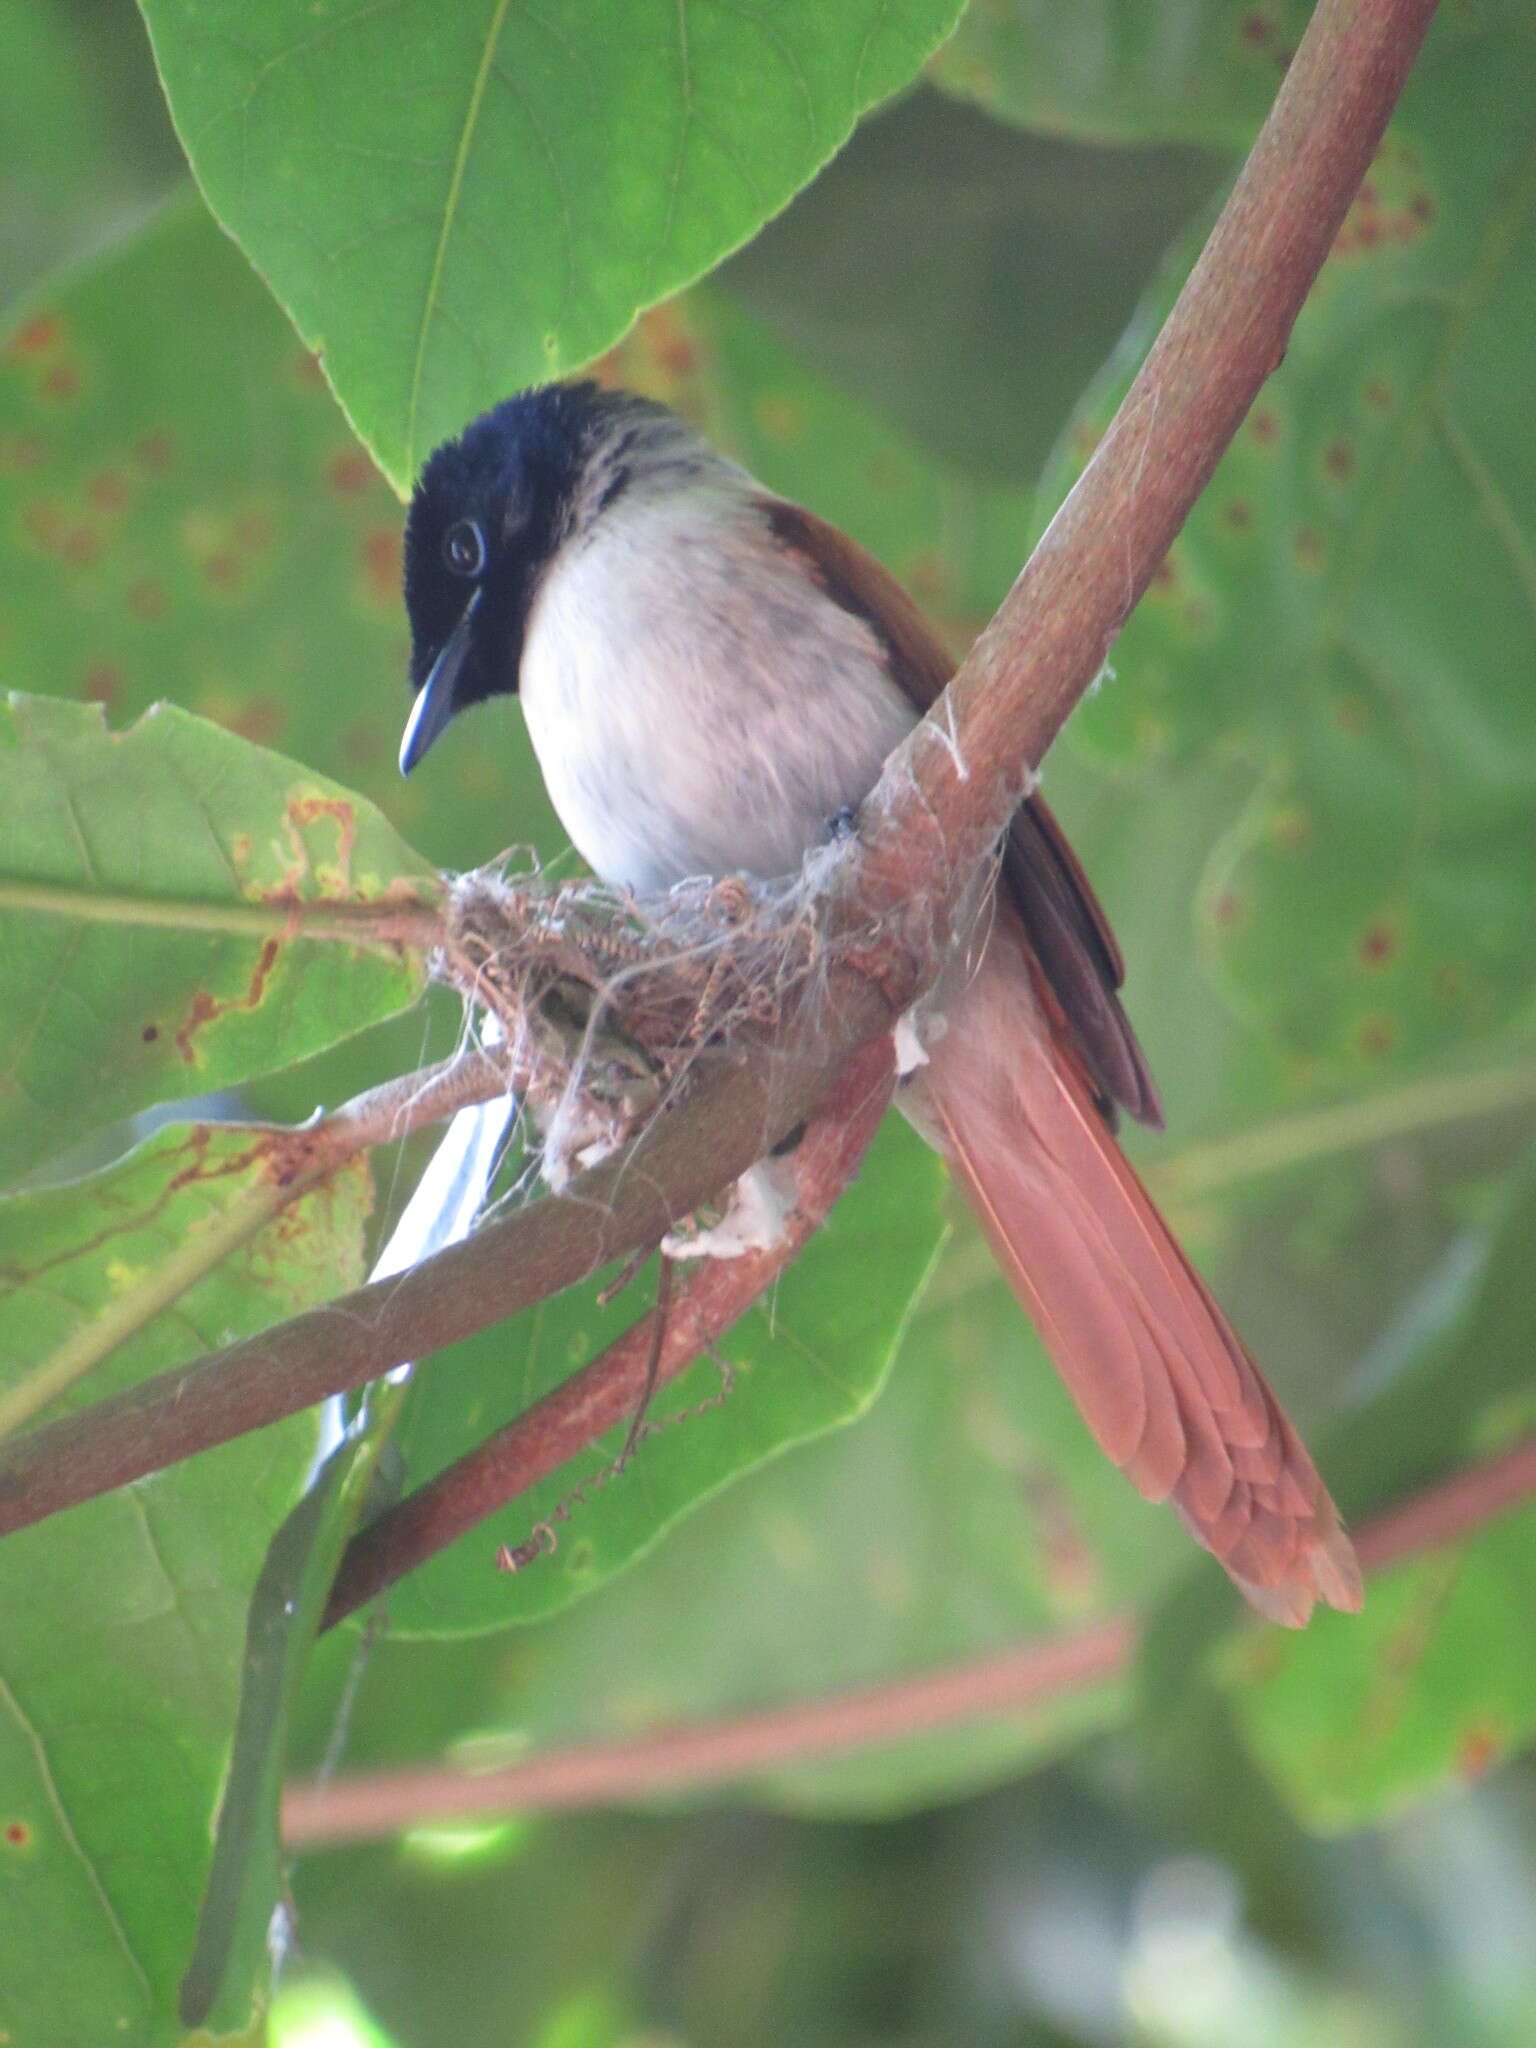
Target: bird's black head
487	517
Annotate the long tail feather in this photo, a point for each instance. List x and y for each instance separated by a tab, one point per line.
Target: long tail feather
1160	1377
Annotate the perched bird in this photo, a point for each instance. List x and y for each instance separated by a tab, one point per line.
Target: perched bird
709	673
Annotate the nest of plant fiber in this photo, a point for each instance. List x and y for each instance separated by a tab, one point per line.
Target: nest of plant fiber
604	1004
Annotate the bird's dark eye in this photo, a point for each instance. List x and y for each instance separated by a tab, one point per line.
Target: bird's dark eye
464	548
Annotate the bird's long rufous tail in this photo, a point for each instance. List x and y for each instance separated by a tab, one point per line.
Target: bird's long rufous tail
1160	1376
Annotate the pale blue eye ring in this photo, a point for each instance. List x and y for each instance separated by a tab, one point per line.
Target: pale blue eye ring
464	548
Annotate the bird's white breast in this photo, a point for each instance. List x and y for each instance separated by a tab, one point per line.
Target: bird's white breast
697	703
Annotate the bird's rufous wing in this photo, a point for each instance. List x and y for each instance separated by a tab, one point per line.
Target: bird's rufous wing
1068	931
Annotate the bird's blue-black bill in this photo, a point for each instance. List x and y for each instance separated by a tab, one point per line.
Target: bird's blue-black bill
435	700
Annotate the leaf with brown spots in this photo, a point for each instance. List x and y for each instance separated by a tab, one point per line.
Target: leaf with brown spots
1368	636
125	1621
200	526
1436	1679
1434	1683
154	886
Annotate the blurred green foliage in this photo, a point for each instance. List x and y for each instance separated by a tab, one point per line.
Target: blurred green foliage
1305	794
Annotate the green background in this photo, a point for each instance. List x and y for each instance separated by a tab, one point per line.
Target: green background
1304	793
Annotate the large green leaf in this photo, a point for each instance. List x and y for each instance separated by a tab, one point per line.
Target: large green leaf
142	919
1354	602
967	1510
125	1620
1434	1687
454	202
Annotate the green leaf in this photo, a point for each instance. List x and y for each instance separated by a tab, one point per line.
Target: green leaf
455	202
811	1357
1119	71
968	1512
1432	1686
126	1618
1353	603
246	1874
143	882
1436	1680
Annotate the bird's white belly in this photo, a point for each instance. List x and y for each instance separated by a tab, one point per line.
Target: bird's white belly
697	706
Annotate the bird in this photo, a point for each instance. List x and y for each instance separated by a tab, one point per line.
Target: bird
709	674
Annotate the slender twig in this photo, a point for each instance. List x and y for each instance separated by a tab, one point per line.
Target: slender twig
927	830
662	1344
1417	1107
652	1379
284	1165
357	1807
392	1110
1037	1674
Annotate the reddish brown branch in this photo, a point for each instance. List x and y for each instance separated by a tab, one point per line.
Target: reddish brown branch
1442	1513
592	1774
1013	1681
736	1115
573	1415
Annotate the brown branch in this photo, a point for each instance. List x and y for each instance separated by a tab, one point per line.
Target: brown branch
573	1415
739	1111
373	1803
299	1160
927	830
359	1807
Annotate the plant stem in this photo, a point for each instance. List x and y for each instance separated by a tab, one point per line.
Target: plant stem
1342	1127
370	1804
387	925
